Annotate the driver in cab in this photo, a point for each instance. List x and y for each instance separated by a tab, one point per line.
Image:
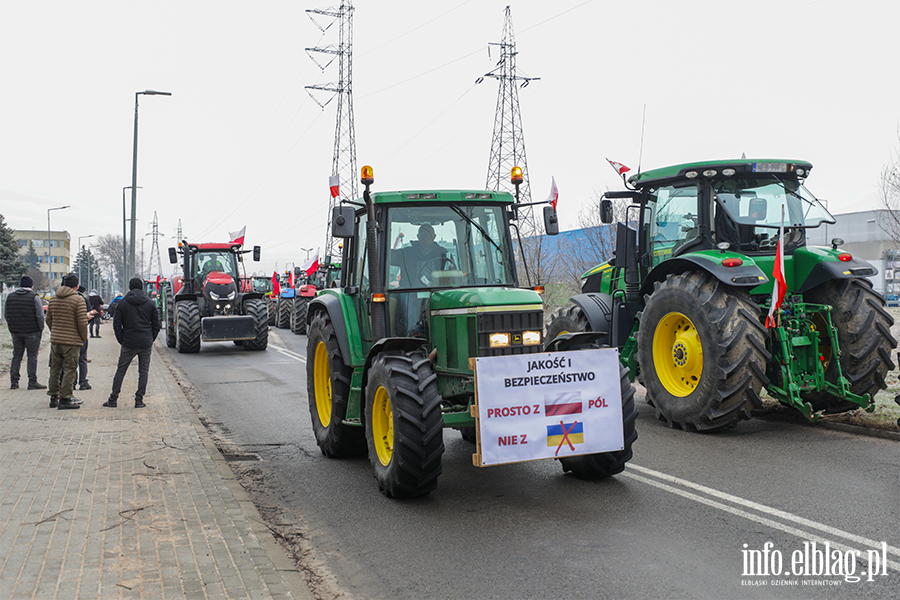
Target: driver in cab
418	260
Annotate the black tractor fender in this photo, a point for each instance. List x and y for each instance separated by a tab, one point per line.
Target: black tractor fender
744	276
386	344
242	299
826	271
332	306
598	308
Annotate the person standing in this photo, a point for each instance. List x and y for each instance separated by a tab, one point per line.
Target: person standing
83	359
136	325
24	313
96	304
67	320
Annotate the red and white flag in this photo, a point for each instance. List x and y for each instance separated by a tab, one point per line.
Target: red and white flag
312	265
780	287
276	289
334	182
619	167
554	193
291	281
237	237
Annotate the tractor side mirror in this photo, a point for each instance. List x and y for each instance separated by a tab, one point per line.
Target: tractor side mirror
342	222
173	256
758	208
606	211
256	252
551	221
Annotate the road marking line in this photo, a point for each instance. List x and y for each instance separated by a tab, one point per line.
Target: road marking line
288	353
804	535
764	509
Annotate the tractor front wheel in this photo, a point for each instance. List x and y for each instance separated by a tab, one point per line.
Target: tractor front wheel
257	310
283	313
270	310
568	319
864	336
187	331
702	353
404	426
328	390
298	315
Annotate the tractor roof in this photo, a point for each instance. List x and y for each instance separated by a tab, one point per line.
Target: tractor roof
215	246
443	196
741	165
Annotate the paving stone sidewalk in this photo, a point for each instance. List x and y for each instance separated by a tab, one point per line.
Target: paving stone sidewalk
126	502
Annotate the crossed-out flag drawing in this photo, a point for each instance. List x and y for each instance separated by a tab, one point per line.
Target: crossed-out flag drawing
566	403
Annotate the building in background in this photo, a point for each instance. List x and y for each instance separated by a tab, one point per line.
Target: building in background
53	252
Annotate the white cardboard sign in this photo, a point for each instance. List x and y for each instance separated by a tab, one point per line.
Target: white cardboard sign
548	405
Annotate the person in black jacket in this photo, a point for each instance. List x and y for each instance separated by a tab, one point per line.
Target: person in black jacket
24	313
136	325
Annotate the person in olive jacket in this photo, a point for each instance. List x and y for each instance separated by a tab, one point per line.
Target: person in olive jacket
68	323
24	315
136	325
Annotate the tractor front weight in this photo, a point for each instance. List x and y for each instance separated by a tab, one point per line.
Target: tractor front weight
802	346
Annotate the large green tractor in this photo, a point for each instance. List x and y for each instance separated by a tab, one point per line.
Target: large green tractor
388	348
687	296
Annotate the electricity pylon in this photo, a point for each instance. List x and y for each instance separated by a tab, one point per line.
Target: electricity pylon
344	160
154	250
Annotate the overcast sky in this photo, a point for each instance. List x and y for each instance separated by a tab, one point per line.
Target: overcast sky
240	142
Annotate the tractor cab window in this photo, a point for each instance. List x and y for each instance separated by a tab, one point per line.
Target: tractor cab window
673	220
207	262
749	211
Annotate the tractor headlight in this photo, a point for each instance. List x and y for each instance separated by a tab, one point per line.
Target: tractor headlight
499	340
531	338
230	296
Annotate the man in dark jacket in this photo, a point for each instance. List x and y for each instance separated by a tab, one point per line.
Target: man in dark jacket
136	325
67	320
24	313
96	303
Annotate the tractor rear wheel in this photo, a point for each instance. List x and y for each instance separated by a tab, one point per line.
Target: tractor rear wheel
702	353
298	315
170	320
404	426
270	309
283	313
864	335
257	310
187	331
328	390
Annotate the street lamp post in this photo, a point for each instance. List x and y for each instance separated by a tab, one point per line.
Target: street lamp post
124	236
307	250
134	171
49	261
80	265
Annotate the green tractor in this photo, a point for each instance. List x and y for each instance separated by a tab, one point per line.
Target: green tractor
688	294
388	351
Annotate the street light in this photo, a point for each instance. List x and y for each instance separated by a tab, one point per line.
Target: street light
80	248
49	262
134	170
307	250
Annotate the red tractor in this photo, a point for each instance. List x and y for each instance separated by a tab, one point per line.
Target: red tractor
206	303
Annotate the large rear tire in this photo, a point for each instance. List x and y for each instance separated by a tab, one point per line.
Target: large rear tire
298	315
283	313
328	390
270	310
404	426
257	310
170	320
702	353
864	336
187	327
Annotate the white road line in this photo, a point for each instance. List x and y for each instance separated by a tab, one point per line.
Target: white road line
288	353
762	508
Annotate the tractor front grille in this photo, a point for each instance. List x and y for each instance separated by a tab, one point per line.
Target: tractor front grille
513	323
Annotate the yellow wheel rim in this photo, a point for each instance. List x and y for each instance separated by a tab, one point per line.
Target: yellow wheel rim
383	426
677	354
322	382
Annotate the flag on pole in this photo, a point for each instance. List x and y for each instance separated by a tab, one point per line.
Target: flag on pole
276	289
554	193
158	277
780	287
619	167
291	281
237	237
312	265
398	240
334	182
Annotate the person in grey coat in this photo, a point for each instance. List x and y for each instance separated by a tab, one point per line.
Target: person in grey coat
24	314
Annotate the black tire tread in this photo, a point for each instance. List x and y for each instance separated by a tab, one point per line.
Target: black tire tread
257	310
188	327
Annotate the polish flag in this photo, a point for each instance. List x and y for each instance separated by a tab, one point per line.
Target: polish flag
780	287
276	289
334	182
291	278
554	193
619	167
237	237
312	265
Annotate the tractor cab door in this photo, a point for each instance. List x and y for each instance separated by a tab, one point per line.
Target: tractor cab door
673	219
359	279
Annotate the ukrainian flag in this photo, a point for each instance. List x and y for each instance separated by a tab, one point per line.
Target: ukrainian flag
555	434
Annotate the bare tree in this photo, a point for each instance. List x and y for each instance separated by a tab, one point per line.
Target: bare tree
889	189
110	252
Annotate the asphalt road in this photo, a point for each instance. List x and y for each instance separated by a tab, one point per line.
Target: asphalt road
682	521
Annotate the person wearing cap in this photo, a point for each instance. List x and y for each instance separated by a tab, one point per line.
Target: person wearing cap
68	322
24	314
136	325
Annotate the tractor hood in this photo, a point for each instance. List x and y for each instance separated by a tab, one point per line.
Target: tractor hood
219	286
474	299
